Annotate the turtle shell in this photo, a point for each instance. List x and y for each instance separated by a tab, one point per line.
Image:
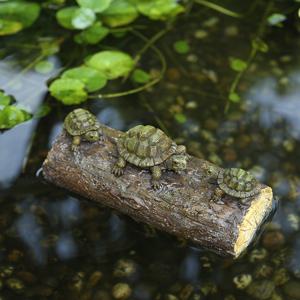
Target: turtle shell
145	146
238	183
80	121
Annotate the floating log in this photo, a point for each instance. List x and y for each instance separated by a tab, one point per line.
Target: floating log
182	207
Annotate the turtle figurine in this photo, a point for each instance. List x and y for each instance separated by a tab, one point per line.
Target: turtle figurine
237	183
82	125
148	147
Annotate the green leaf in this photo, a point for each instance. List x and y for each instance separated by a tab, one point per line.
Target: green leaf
234	97
83	18
181	47
112	63
68	91
15	15
92	35
92	79
140	76
11	115
260	45
44	67
276	19
158	9
180	118
237	64
8	27
95	5
119	13
4	100
64	16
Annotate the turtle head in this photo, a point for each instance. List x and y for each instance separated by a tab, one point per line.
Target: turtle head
178	162
92	136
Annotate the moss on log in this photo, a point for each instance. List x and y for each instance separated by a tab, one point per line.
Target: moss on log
182	207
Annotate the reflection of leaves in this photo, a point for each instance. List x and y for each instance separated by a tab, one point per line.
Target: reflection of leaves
276	19
113	64
11	115
119	13
68	91
92	79
14	16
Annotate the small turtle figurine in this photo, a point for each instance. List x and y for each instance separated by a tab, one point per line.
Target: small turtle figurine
82	125
236	183
149	147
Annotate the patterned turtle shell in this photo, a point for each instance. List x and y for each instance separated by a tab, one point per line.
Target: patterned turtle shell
238	183
80	121
145	146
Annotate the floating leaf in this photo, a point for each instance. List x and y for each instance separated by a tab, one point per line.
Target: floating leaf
83	18
276	19
119	13
64	16
237	64
68	91
181	47
95	5
234	97
11	115
93	79
140	76
92	35
4	100
44	67
15	15
113	64
158	9
180	118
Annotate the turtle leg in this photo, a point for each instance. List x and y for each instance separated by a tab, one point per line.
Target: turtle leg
217	196
75	142
119	166
156	175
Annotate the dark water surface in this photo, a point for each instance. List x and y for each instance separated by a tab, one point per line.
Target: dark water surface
56	246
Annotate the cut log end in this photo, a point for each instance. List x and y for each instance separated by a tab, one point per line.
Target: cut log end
182	208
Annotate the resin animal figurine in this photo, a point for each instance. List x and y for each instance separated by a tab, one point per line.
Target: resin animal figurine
82	125
150	148
237	183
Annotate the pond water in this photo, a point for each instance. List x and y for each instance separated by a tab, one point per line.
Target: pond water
55	245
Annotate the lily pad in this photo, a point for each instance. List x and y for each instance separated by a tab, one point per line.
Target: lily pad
92	79
68	91
158	9
4	100
95	5
15	15
11	115
83	18
119	13
64	16
112	63
92	35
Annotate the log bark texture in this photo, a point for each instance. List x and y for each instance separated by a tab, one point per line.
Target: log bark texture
182	207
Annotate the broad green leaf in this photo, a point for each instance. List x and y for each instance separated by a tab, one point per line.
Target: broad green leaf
234	97
92	79
113	64
83	18
92	35
11	115
181	47
237	64
119	13
158	9
140	76
14	16
68	91
276	19
64	16
9	27
44	67
95	5
4	100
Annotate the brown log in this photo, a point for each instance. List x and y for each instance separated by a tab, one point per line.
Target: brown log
182	207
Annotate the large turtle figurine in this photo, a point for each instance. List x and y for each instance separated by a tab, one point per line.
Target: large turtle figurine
149	147
82	125
237	183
